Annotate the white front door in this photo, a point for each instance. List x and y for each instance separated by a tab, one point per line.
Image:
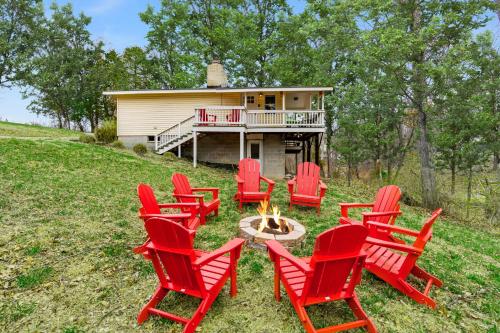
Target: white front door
255	150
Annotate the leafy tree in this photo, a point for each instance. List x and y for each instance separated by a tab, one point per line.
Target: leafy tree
19	36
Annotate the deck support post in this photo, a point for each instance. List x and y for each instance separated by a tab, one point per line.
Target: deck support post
195	148
309	146
242	145
316	149
179	150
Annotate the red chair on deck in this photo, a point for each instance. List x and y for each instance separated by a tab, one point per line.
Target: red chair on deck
331	274
385	209
205	118
151	208
307	189
181	268
395	268
234	116
248	179
183	192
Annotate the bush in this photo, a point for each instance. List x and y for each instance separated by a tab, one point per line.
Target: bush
169	156
140	149
86	138
106	133
118	144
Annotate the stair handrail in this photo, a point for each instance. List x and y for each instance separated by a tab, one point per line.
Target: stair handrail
173	133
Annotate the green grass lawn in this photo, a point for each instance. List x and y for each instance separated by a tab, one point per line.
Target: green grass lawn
68	213
21	130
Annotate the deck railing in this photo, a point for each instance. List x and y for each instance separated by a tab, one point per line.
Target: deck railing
220	116
287	118
239	116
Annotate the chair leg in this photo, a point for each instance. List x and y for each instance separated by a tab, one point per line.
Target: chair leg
277	291
216	212
199	314
414	293
420	273
157	297
290	206
234	288
318	210
358	311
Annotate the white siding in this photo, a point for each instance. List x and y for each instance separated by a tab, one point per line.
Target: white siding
150	114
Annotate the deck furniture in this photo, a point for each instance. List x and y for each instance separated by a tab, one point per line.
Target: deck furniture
183	269
385	209
307	189
394	267
248	180
331	274
151	208
184	193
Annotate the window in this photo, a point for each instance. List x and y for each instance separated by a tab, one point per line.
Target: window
151	138
270	102
250	99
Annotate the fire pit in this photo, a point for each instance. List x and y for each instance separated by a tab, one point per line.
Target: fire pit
263	227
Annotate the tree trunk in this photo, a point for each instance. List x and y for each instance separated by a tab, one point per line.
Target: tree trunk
453	169
349	169
469	190
427	172
328	161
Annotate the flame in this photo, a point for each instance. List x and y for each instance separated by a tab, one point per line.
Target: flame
277	223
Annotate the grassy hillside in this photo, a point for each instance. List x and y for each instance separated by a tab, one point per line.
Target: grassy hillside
68	217
22	130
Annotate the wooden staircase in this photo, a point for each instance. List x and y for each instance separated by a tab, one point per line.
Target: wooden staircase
174	136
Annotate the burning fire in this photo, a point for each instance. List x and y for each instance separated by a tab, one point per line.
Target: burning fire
275	222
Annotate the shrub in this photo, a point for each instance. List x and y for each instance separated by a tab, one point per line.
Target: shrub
118	144
86	138
140	149
106	133
169	156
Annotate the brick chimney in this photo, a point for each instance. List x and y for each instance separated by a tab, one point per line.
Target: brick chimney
216	76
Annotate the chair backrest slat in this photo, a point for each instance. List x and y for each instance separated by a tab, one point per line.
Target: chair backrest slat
182	186
386	200
174	249
336	251
148	199
249	171
307	178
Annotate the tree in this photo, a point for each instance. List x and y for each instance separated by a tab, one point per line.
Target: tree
19	23
415	36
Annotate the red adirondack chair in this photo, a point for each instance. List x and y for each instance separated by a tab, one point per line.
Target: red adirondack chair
181	268
206	118
248	179
385	209
306	189
183	192
394	268
234	117
151	208
330	274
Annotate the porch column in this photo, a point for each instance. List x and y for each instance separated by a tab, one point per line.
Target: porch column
242	145
316	149
245	100
195	148
283	102
322	100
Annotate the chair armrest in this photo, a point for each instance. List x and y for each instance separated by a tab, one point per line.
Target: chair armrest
238	179
395	246
393	228
368	215
291	184
232	245
344	207
180	205
270	183
175	217
214	190
187	196
275	248
322	189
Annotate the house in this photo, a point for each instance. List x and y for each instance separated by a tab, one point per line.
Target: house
221	125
